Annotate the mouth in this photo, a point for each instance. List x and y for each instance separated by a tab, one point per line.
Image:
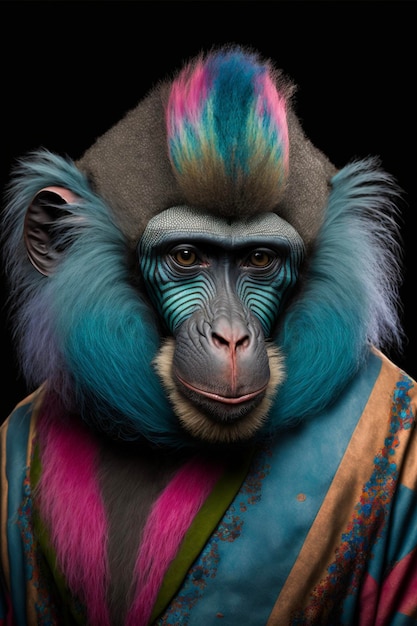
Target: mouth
218	418
217	397
219	407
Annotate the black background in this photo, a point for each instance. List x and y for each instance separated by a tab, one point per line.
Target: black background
69	70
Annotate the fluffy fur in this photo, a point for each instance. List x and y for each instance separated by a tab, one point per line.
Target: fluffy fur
92	352
165	528
68	485
350	296
69	458
227	133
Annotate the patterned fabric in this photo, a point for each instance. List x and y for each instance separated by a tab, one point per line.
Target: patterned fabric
322	530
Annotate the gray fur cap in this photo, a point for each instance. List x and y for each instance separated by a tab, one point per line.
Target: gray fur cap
132	168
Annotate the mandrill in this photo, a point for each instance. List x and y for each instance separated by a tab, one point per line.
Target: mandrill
215	435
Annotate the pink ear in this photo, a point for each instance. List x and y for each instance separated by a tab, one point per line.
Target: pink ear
66	195
47	206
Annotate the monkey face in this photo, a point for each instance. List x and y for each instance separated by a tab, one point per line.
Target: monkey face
219	286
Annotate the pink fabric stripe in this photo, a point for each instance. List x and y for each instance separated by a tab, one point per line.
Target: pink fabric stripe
398	594
399	591
71	506
165	528
368	601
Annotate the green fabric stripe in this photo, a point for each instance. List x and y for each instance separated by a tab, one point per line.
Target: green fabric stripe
200	530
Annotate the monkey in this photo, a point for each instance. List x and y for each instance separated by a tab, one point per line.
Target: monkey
202	306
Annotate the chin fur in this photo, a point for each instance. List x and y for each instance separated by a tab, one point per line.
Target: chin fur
199	425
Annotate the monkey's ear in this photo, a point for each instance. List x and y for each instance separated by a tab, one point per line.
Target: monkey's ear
40	233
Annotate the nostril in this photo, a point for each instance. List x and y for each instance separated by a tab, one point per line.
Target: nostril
243	342
219	341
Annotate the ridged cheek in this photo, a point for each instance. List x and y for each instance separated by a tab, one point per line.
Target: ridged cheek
175	299
264	297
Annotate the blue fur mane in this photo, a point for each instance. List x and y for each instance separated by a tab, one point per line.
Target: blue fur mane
85	328
351	294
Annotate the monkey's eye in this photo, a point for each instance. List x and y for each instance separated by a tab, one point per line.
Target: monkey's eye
184	256
261	258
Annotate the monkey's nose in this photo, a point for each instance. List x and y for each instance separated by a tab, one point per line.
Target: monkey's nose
230	336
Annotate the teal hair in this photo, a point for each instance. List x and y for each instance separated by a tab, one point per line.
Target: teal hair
350	296
227	132
85	329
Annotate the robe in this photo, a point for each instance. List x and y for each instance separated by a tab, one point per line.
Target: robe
316	526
